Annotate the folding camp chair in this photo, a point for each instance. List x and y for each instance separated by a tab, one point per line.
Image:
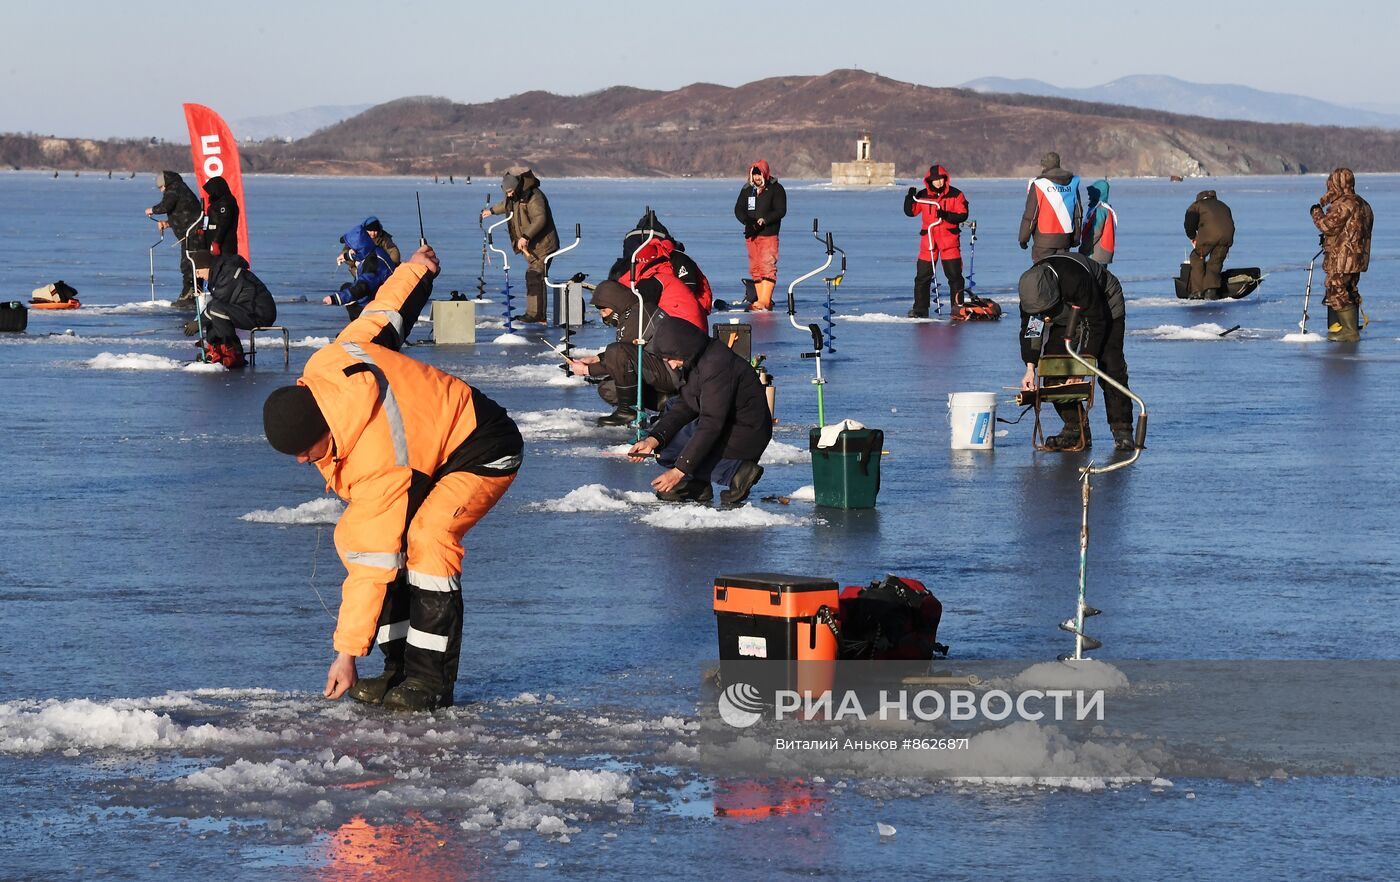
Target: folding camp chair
1059	379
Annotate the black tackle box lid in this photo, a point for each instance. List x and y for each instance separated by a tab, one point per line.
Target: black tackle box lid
779	582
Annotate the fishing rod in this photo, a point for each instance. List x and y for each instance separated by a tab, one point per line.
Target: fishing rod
814	329
832	283
422	237
650	220
505	265
561	291
1082	610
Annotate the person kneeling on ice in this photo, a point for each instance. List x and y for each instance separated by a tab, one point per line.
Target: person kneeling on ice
616	365
717	426
371	266
682	264
1049	291
421	457
238	301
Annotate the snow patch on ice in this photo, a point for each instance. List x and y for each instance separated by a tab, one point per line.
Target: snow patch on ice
134	307
805	493
1167	301
511	340
326	510
1309	337
886	318
310	342
780	453
1206	331
565	423
595	497
526	375
137	361
36	727
700	517
1081	674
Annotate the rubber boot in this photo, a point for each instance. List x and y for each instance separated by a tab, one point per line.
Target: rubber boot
688	490
622	415
745	477
764	289
372	690
1344	329
1123	440
416	695
1069	437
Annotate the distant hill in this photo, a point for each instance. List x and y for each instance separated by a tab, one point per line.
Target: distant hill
800	124
1216	100
294	124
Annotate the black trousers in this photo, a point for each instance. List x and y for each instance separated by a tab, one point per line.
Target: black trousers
223	320
923	281
1118	408
620	389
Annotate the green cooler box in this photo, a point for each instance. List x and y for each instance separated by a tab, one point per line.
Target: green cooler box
847	474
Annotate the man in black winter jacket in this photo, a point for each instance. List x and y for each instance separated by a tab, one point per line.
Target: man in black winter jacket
182	214
715	429
221	231
238	300
616	365
761	206
1050	290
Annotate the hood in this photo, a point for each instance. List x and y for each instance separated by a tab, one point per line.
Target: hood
1098	191
1342	182
656	251
614	296
528	182
678	338
937	171
223	269
217	187
1039	290
168	179
1204	195
762	165
358	241
372	223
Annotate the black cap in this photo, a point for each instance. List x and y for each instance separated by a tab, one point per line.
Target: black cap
292	420
202	260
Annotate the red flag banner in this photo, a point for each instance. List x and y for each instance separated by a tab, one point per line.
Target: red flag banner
216	153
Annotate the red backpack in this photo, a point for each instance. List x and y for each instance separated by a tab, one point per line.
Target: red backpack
892	619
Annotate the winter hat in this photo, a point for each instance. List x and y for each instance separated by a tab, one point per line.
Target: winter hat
372	225
510	182
202	260
292	420
1039	290
1050	160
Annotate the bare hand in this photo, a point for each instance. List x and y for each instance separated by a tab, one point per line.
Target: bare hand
341	676
643	449
149	212
522	244
667	480
162	226
340	260
578	368
758	223
1028	381
589	359
328	300
485	213
425	256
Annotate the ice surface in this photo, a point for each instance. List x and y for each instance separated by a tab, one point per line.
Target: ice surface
1206	331
134	307
521	375
309	342
1083	674
701	517
137	361
561	424
886	318
596	497
326	510
781	453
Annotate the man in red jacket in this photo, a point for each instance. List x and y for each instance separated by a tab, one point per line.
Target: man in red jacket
940	208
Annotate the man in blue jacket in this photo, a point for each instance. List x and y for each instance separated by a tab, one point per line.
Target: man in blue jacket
372	265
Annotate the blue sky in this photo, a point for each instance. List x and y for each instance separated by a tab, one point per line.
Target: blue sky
98	69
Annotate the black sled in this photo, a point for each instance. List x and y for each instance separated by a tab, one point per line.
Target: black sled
1239	283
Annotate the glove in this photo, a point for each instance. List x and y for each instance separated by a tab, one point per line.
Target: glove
191	327
215	249
913	191
1024	246
750	229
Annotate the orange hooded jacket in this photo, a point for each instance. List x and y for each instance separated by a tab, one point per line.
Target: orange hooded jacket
395	422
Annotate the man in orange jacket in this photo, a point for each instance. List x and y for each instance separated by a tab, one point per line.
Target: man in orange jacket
420	456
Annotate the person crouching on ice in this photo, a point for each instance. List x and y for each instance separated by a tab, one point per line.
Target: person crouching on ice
238	301
717	426
421	457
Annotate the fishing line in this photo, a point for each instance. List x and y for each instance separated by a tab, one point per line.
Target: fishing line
315	553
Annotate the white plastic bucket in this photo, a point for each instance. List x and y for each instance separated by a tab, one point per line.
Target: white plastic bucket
972	418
